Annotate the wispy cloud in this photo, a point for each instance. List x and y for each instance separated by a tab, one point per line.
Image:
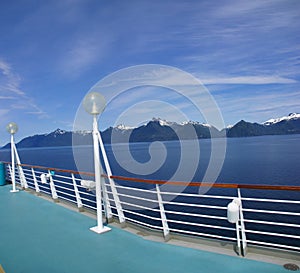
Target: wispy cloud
81	55
257	106
248	80
9	81
13	95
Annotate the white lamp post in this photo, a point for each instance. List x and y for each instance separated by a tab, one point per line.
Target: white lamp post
12	128
94	104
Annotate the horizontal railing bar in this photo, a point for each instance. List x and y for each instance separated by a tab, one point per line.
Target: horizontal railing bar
64	193
196	215
138	206
111	205
65	198
197	195
109	192
111	200
142	215
133	189
88	200
86	193
61	187
63	176
39	172
273	234
44	187
272	212
29	179
142	223
271	223
194	205
138	198
273	245
270	200
64	183
200	225
88	206
47	193
202	234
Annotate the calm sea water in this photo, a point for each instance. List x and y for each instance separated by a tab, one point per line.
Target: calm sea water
271	160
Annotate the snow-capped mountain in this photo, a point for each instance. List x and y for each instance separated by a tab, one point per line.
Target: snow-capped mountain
292	116
277	126
162	130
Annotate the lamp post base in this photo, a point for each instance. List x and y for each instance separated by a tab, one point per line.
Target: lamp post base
100	230
14	190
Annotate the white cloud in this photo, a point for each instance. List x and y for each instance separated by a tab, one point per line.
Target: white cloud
248	80
9	81
79	57
257	106
15	99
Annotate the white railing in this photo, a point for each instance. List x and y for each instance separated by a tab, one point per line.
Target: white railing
268	222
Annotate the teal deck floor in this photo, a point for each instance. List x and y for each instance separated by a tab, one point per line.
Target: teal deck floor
39	236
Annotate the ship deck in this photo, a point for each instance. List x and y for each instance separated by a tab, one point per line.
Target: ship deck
37	235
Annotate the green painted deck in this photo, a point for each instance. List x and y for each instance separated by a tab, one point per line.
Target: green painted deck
37	236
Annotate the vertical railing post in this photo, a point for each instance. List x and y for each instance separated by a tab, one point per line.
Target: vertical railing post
163	217
238	238
77	195
36	185
13	166
52	187
20	169
111	182
242	226
107	208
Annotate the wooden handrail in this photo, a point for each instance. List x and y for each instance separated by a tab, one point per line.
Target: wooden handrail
176	183
52	169
207	184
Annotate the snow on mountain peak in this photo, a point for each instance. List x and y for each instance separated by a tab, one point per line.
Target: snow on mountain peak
56	132
59	132
190	122
124	127
195	123
163	122
291	116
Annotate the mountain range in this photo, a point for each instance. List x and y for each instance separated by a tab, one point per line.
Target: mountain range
162	130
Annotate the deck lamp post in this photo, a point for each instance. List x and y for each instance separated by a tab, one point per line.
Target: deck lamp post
94	104
12	128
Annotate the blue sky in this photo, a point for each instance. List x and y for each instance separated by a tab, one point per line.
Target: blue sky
246	53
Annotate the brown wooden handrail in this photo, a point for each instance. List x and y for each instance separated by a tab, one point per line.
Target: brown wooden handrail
207	184
52	169
176	183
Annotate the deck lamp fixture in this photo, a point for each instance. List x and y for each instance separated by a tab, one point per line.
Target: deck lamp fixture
12	128
94	103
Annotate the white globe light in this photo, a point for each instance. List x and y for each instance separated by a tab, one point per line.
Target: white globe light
94	103
12	128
